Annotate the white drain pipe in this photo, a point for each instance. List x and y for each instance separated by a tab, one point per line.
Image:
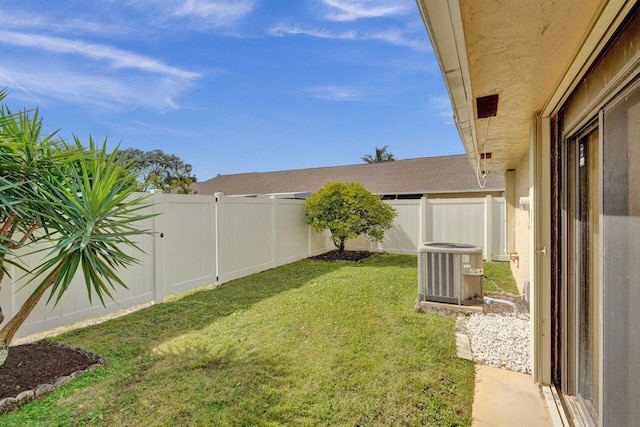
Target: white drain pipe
490	301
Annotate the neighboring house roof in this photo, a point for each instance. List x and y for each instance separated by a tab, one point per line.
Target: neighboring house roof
445	174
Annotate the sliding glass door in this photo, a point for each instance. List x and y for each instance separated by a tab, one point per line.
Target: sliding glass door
582	290
597	305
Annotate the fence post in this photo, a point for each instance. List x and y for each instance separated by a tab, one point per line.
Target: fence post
159	254
274	231
422	212
219	229
488	228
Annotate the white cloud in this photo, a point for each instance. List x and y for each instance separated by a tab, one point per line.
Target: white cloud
24	21
104	90
351	10
334	93
117	58
440	103
215	13
281	30
442	106
392	36
77	73
116	18
398	37
136	127
199	14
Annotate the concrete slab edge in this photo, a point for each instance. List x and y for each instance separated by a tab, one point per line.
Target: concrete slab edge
463	347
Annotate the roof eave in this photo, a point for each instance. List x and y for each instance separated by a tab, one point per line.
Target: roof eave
443	21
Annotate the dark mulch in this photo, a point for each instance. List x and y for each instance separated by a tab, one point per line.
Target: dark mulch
31	365
347	256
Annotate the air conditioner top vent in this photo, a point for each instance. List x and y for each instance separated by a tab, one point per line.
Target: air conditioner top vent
449	247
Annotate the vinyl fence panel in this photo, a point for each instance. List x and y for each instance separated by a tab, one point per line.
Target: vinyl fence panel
499	230
74	304
256	234
404	235
292	231
185	235
199	240
245	236
477	221
458	220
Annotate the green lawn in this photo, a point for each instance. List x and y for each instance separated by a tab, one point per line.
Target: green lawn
310	343
502	280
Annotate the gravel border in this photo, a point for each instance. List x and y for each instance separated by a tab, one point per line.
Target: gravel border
501	341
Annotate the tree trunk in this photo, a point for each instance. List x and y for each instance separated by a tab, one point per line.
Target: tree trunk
341	247
8	332
7	231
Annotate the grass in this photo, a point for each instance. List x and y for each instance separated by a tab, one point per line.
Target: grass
310	343
502	280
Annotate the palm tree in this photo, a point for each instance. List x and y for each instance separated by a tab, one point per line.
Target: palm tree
77	199
380	156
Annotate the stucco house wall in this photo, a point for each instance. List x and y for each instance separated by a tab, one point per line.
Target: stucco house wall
522	223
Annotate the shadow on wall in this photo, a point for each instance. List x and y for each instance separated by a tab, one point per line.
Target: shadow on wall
397	240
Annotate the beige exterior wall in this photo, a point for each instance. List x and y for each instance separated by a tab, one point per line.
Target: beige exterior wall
518	221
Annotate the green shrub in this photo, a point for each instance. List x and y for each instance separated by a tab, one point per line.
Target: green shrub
347	210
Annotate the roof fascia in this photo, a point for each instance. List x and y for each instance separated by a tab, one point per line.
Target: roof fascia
443	20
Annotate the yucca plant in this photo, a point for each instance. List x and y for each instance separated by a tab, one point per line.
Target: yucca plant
78	199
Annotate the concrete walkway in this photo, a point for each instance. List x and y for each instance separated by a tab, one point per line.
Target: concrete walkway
506	398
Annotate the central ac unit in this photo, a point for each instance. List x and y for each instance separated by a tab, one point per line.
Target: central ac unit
449	272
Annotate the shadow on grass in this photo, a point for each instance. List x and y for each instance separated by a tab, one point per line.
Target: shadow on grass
189	362
384	260
143	330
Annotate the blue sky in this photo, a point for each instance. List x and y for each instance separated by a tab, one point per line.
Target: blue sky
232	86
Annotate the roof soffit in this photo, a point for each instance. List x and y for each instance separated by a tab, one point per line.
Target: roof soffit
518	49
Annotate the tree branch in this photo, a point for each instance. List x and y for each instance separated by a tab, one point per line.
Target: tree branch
7	224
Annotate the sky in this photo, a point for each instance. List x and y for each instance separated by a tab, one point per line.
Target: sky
231	86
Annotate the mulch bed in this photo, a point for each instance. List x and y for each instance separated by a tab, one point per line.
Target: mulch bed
345	256
33	370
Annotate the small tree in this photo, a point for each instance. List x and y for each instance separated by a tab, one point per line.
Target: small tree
348	210
380	156
77	198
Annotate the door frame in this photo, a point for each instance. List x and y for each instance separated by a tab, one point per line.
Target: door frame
568	306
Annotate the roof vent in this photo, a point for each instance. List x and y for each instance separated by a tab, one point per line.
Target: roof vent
487	106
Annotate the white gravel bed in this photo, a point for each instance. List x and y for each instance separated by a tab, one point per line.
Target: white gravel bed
501	341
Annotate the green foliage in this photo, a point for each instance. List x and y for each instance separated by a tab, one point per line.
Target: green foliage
77	199
381	155
348	210
157	170
299	345
92	220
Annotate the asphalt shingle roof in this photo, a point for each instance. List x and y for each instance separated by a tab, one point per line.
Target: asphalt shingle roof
442	174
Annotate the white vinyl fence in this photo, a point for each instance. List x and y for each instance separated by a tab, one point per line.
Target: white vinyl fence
478	221
200	240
